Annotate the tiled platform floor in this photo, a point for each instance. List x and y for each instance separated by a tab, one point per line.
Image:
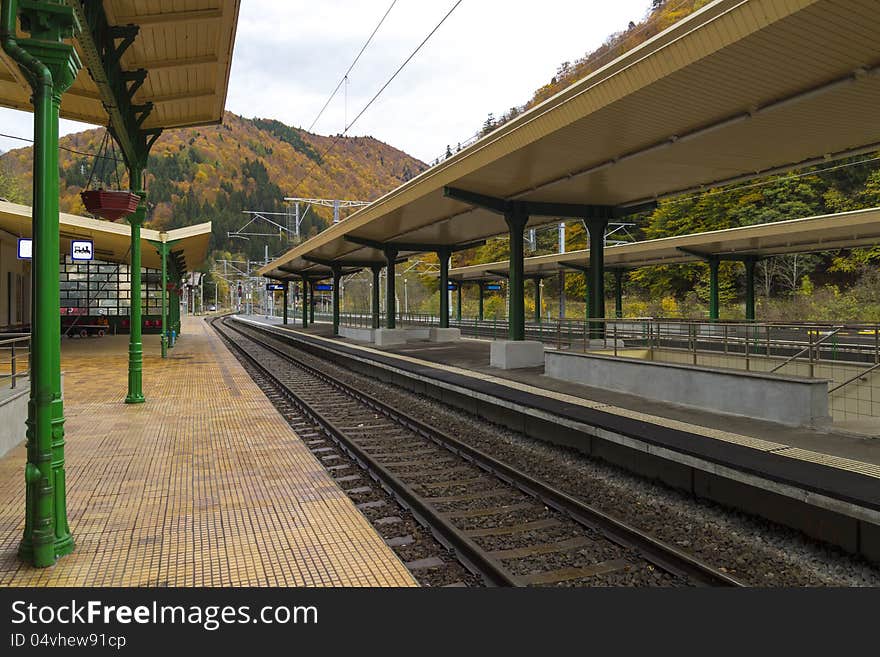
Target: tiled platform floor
204	485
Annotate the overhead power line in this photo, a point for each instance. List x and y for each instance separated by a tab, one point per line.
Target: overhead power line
336	139
64	148
345	76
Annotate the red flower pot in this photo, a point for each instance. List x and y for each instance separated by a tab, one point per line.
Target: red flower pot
110	204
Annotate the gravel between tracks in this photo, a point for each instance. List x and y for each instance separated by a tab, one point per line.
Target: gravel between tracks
756	551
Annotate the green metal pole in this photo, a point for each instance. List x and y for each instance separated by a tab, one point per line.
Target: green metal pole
750	288
481	312
713	288
312	302
537	282
596	284
377	270
390	300
135	341
516	219
443	256
305	302
50	66
458	287
618	293
286	286
337	277
163	254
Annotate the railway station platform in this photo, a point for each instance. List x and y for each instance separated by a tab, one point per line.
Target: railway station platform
203	485
823	481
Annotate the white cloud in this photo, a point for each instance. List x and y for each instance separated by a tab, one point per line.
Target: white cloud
489	56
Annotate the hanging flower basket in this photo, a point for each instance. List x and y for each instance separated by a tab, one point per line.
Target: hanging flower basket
110	204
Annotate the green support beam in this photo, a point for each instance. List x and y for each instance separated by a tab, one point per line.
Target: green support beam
458	287
50	65
305	302
750	263
286	301
164	250
596	277
516	221
377	270
537	281
443	257
480	310
337	278
135	343
714	305
390	299
542	209
312	301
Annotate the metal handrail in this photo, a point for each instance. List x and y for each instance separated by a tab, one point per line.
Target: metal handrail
854	378
809	347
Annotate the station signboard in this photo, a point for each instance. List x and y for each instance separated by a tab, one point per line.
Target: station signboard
324	287
25	248
274	287
453	287
493	287
82	249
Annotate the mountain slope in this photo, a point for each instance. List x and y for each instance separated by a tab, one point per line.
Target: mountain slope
213	173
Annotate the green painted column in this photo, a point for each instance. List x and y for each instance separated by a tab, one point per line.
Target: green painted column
618	293
516	219
163	255
750	287
377	270
312	302
482	292
174	312
49	65
135	341
443	257
458	287
596	276
305	302
713	288
390	299
286	295
537	282
337	278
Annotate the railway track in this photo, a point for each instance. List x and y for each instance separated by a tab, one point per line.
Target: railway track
505	526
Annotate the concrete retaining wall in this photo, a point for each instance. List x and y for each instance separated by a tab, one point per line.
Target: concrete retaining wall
13	413
354	333
789	400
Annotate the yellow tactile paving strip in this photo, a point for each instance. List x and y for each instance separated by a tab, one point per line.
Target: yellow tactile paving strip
759	444
204	485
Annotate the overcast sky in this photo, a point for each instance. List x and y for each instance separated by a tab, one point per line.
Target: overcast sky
488	56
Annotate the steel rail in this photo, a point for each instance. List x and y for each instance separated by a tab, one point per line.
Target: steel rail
660	554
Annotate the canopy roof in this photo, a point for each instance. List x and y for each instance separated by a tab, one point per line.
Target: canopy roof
821	233
113	240
739	89
185	47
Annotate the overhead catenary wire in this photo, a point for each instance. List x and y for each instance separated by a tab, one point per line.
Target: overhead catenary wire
372	100
344	78
63	148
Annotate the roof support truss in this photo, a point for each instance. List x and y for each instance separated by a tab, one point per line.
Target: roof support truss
542	209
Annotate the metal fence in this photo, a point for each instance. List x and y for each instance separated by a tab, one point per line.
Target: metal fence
15	350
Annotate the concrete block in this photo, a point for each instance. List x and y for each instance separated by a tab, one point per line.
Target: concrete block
13	413
444	335
356	333
384	337
794	401
514	354
417	333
